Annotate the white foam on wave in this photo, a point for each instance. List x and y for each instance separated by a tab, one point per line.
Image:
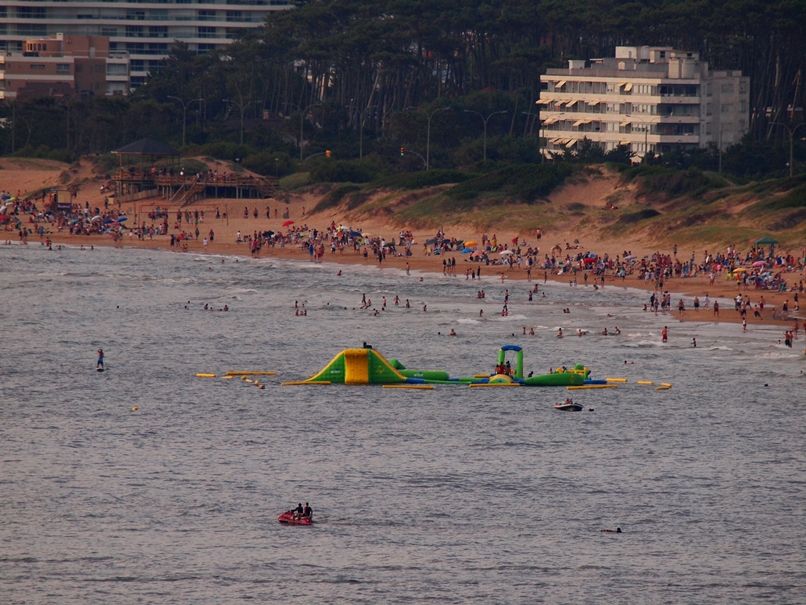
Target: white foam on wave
787	354
465	320
509	318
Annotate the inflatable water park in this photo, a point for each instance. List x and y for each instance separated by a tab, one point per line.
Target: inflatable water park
368	366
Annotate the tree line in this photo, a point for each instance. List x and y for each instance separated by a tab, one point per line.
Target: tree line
365	78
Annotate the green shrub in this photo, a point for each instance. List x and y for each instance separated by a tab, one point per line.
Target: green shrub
796	198
636	217
422	179
295	180
268	163
524	182
671	182
335	196
46	153
343	171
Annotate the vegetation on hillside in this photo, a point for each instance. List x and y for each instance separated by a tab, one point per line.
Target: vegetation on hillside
363	78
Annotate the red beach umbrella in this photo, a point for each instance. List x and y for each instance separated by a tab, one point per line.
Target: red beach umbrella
287	223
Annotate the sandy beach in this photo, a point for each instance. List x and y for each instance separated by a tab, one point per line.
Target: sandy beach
297	209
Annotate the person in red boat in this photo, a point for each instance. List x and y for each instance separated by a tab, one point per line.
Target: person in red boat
307	512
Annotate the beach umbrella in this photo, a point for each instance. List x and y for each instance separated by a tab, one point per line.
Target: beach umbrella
287	223
740	270
123	219
506	252
467	250
355	233
759	263
470	243
95	218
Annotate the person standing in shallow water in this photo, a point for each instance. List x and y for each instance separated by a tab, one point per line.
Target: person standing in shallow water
100	363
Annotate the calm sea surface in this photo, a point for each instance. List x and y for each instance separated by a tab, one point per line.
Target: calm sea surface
453	495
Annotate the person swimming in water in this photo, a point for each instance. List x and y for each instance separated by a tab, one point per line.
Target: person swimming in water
612	531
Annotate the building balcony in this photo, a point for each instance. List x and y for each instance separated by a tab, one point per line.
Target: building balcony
625	138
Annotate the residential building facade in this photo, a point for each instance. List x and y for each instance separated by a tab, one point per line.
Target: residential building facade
650	99
145	29
64	66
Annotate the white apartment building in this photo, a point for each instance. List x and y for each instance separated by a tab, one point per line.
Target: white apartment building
652	99
145	29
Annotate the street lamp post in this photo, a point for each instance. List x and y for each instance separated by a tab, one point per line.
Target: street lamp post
301	125
242	107
485	120
791	130
185	105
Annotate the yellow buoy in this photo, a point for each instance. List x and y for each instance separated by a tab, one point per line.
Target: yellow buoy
665	384
250	373
587	387
416	387
644	382
616	379
296	383
474	385
205	375
227	377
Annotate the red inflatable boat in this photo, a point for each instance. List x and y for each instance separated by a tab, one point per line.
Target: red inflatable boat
288	518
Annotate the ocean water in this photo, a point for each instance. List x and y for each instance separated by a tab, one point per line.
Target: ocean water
454	495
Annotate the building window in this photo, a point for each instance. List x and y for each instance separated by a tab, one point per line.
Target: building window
37	66
206	15
207	32
24	12
63	68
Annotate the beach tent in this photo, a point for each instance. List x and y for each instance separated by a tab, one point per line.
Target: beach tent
766	241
